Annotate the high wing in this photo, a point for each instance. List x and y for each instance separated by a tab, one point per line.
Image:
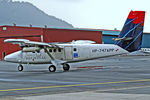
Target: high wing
24	42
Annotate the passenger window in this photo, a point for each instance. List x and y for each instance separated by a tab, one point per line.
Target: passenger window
59	50
50	50
75	49
54	50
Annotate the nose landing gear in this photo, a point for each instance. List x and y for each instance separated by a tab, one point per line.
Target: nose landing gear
52	68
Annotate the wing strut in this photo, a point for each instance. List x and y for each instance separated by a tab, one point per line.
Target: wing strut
54	61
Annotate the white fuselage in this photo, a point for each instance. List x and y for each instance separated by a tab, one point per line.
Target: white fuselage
145	50
68	53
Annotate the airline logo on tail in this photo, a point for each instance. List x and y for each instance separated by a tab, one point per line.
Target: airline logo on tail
130	37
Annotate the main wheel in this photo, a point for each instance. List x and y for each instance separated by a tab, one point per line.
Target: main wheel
20	68
52	68
66	67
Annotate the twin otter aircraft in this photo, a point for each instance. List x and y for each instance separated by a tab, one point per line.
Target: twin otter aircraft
60	54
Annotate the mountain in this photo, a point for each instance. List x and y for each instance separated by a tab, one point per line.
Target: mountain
25	13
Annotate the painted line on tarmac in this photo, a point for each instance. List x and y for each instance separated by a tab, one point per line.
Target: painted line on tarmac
40	81
75	85
124	88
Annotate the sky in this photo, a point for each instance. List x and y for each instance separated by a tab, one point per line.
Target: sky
95	14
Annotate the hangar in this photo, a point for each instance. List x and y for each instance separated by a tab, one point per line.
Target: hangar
43	35
57	35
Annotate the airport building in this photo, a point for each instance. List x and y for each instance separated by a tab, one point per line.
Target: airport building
45	35
57	35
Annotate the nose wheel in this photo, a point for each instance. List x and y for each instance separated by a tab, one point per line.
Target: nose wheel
52	68
20	68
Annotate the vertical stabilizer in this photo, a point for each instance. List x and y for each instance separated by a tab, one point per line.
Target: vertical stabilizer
130	37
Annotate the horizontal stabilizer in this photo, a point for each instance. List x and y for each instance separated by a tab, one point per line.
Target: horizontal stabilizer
125	39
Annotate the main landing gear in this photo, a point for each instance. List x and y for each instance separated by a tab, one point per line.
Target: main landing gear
66	67
20	68
52	68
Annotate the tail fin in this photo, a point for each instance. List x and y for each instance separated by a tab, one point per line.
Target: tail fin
130	37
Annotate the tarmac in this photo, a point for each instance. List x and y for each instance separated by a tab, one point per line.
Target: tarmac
113	78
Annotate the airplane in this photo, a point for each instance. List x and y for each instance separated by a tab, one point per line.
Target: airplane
60	54
145	50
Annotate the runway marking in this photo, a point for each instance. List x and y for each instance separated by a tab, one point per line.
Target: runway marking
74	85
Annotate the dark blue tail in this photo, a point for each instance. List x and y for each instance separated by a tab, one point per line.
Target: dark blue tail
130	37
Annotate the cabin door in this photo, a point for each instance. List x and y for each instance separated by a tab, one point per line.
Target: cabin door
68	53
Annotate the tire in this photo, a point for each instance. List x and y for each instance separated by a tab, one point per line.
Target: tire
20	68
52	68
66	67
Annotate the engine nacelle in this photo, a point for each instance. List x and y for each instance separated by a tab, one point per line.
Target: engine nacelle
31	49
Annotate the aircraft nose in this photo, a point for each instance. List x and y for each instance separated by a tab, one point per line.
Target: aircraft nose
9	58
14	57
